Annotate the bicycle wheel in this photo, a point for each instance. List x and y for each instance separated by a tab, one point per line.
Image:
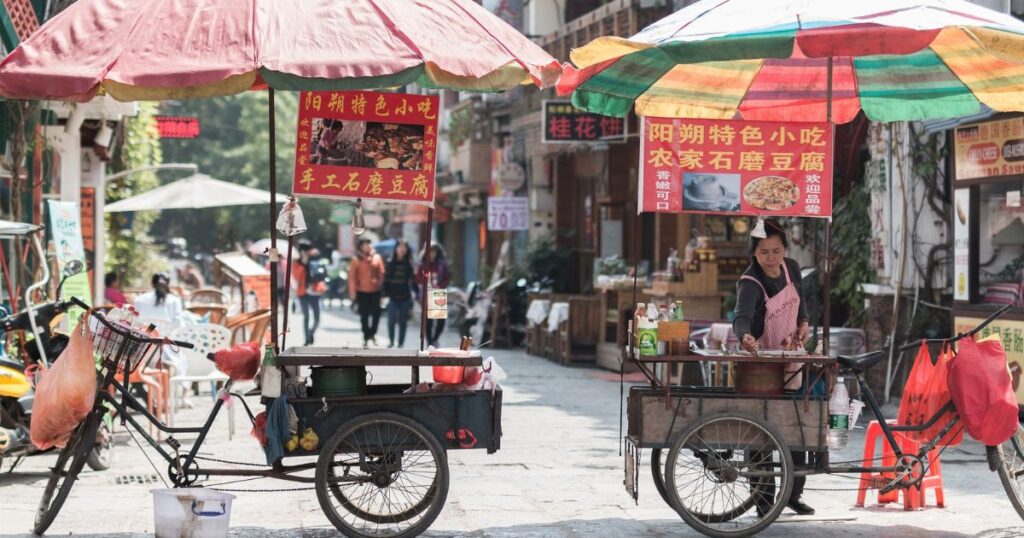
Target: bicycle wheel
65	471
382	475
722	466
1011	469
658	474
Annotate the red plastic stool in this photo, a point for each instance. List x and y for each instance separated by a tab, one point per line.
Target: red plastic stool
913	498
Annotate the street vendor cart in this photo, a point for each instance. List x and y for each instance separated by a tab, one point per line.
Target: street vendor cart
380	450
728	92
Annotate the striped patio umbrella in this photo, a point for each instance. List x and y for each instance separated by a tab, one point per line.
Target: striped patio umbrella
174	49
767	60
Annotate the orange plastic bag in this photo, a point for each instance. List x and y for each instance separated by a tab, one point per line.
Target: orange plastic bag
936	396
914	403
66	391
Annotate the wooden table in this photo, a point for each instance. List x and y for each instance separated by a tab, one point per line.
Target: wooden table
343	356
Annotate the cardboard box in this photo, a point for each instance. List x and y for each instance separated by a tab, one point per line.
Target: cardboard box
673	330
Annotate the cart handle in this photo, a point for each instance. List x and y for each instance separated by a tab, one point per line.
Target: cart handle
959	336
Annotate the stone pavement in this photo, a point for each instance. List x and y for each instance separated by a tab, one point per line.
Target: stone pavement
558	474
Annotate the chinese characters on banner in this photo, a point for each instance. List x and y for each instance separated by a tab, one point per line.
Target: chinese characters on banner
738	167
990	149
361	144
566	123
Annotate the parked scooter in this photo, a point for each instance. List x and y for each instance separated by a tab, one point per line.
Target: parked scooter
16	393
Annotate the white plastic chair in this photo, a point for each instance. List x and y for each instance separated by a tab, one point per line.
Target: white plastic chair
207	338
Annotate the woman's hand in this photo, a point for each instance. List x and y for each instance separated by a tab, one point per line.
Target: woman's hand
749	343
803	333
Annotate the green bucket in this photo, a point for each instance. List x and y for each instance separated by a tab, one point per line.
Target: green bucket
338	381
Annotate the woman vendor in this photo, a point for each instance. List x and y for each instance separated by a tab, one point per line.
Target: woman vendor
771	315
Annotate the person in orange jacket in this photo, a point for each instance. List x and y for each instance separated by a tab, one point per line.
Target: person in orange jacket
365	278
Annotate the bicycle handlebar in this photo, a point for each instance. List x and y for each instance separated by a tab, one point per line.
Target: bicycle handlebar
105	321
971	332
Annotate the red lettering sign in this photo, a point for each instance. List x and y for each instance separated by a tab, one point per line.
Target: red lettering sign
362	144
177	127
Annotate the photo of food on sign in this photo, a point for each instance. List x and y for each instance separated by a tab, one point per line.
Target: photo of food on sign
711	192
772	193
363	144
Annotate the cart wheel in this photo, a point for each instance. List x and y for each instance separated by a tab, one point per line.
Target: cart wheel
722	474
658	474
65	470
1011	469
382	474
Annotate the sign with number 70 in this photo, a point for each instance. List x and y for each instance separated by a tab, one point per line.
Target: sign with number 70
508	213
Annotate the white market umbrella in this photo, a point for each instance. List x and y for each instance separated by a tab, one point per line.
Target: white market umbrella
11	229
194	192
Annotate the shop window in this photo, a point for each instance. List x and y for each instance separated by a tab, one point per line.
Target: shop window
1000	243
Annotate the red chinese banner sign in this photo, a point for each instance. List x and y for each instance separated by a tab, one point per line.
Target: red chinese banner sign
736	167
362	144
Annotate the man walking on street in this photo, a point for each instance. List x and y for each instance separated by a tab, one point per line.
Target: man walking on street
365	276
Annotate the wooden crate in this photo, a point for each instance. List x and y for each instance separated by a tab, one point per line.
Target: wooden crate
803	424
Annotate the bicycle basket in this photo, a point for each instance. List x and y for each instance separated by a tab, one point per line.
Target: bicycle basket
121	346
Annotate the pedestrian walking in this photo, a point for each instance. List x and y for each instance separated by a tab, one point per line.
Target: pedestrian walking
365	277
434	262
399	287
309	281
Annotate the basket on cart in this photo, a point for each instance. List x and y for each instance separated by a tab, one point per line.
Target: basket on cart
119	345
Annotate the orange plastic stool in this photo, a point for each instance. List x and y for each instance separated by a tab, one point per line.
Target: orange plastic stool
913	498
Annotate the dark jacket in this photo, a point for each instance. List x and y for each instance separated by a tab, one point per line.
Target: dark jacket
399	280
750	305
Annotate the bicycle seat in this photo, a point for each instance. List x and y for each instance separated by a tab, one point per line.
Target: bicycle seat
861	363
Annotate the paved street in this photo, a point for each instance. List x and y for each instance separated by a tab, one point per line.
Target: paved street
558	474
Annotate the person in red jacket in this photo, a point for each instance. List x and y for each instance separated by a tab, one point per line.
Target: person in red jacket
365	277
439	279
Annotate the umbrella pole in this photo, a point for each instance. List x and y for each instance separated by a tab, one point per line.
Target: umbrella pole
826	314
273	218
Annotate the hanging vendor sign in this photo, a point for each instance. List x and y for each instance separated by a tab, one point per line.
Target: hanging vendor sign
566	123
990	149
369	145
66	229
508	213
737	167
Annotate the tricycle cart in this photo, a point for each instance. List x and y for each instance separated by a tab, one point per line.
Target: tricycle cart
381	468
724	459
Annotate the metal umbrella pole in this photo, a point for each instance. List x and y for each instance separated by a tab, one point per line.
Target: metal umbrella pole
272	146
826	314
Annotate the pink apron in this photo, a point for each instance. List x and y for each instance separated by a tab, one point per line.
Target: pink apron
781	313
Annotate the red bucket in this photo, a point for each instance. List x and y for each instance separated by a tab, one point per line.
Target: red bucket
451	375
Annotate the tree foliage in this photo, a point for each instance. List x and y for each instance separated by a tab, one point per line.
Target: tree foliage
130	249
233	146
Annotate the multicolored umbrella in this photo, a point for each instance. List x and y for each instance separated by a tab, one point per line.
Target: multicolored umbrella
174	49
767	60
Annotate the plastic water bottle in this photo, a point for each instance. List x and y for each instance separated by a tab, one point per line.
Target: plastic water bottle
839	415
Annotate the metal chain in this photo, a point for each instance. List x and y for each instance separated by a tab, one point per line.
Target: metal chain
229	462
281	490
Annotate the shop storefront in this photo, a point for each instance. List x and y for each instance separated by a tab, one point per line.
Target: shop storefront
988	229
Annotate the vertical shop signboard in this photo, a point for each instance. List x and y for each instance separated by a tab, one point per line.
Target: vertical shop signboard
736	167
370	145
66	227
88	219
962	245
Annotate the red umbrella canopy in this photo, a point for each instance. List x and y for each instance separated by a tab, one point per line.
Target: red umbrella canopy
172	49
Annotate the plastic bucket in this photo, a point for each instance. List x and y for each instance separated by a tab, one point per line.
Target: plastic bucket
191	513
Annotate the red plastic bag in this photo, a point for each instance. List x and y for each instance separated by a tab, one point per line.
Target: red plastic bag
259	428
914	403
66	391
982	390
239	362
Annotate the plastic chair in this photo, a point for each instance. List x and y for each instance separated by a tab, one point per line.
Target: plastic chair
207	338
207	296
913	498
217	312
253	329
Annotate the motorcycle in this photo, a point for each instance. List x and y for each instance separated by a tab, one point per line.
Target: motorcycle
16	392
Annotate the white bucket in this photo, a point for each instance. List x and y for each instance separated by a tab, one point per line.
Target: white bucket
191	513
